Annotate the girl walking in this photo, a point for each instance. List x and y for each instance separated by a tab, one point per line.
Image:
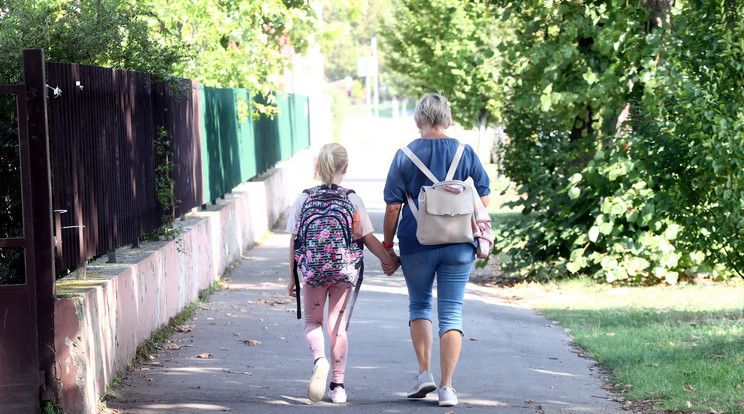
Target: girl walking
329	261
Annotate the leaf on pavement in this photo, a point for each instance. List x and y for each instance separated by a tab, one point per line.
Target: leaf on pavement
184	328
204	355
474	339
250	342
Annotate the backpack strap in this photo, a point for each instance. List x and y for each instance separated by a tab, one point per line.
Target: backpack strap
455	162
417	161
333	187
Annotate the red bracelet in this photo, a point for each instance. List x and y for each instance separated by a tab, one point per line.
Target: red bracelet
387	246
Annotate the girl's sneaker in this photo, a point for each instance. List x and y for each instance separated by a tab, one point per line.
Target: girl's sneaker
337	395
318	380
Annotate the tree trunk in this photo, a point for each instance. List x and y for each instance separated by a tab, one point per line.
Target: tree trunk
661	12
661	17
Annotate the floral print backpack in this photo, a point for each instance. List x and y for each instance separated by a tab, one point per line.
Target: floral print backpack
325	250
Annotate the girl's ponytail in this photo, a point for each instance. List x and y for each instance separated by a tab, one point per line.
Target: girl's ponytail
332	159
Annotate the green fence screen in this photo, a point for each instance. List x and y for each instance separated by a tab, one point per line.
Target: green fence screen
237	147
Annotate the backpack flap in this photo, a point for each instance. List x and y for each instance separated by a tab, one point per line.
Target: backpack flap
441	201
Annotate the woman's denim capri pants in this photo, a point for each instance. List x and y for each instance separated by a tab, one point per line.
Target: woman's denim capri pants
451	265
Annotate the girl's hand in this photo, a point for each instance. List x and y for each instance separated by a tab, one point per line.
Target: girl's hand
291	287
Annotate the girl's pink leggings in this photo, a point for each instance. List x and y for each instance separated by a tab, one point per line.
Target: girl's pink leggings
315	298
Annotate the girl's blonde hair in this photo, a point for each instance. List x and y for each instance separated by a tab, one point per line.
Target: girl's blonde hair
332	159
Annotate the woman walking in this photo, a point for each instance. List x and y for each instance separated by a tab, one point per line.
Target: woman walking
448	264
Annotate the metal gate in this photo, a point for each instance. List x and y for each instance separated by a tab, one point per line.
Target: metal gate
26	255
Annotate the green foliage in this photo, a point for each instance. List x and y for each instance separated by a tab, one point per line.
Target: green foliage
690	138
603	222
654	199
569	71
446	46
109	33
12	265
49	407
236	44
350	26
164	185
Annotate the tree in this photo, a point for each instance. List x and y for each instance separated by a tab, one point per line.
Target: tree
111	33
570	71
656	198
690	137
234	43
351	26
447	46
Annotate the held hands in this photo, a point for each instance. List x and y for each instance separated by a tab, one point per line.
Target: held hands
389	269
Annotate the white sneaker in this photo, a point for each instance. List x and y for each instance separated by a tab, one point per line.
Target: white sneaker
337	395
317	386
424	385
447	397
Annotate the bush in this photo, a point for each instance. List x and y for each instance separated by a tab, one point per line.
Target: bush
655	198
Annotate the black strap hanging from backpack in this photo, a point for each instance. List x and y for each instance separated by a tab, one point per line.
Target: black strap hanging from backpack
297	290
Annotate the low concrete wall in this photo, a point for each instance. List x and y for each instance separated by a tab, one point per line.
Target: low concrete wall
101	319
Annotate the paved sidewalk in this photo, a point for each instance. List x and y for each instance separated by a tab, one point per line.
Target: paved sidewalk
512	360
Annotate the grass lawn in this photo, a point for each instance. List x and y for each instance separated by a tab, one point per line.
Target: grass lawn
679	348
674	348
496	209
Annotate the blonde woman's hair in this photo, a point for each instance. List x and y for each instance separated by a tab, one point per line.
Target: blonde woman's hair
433	110
332	159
